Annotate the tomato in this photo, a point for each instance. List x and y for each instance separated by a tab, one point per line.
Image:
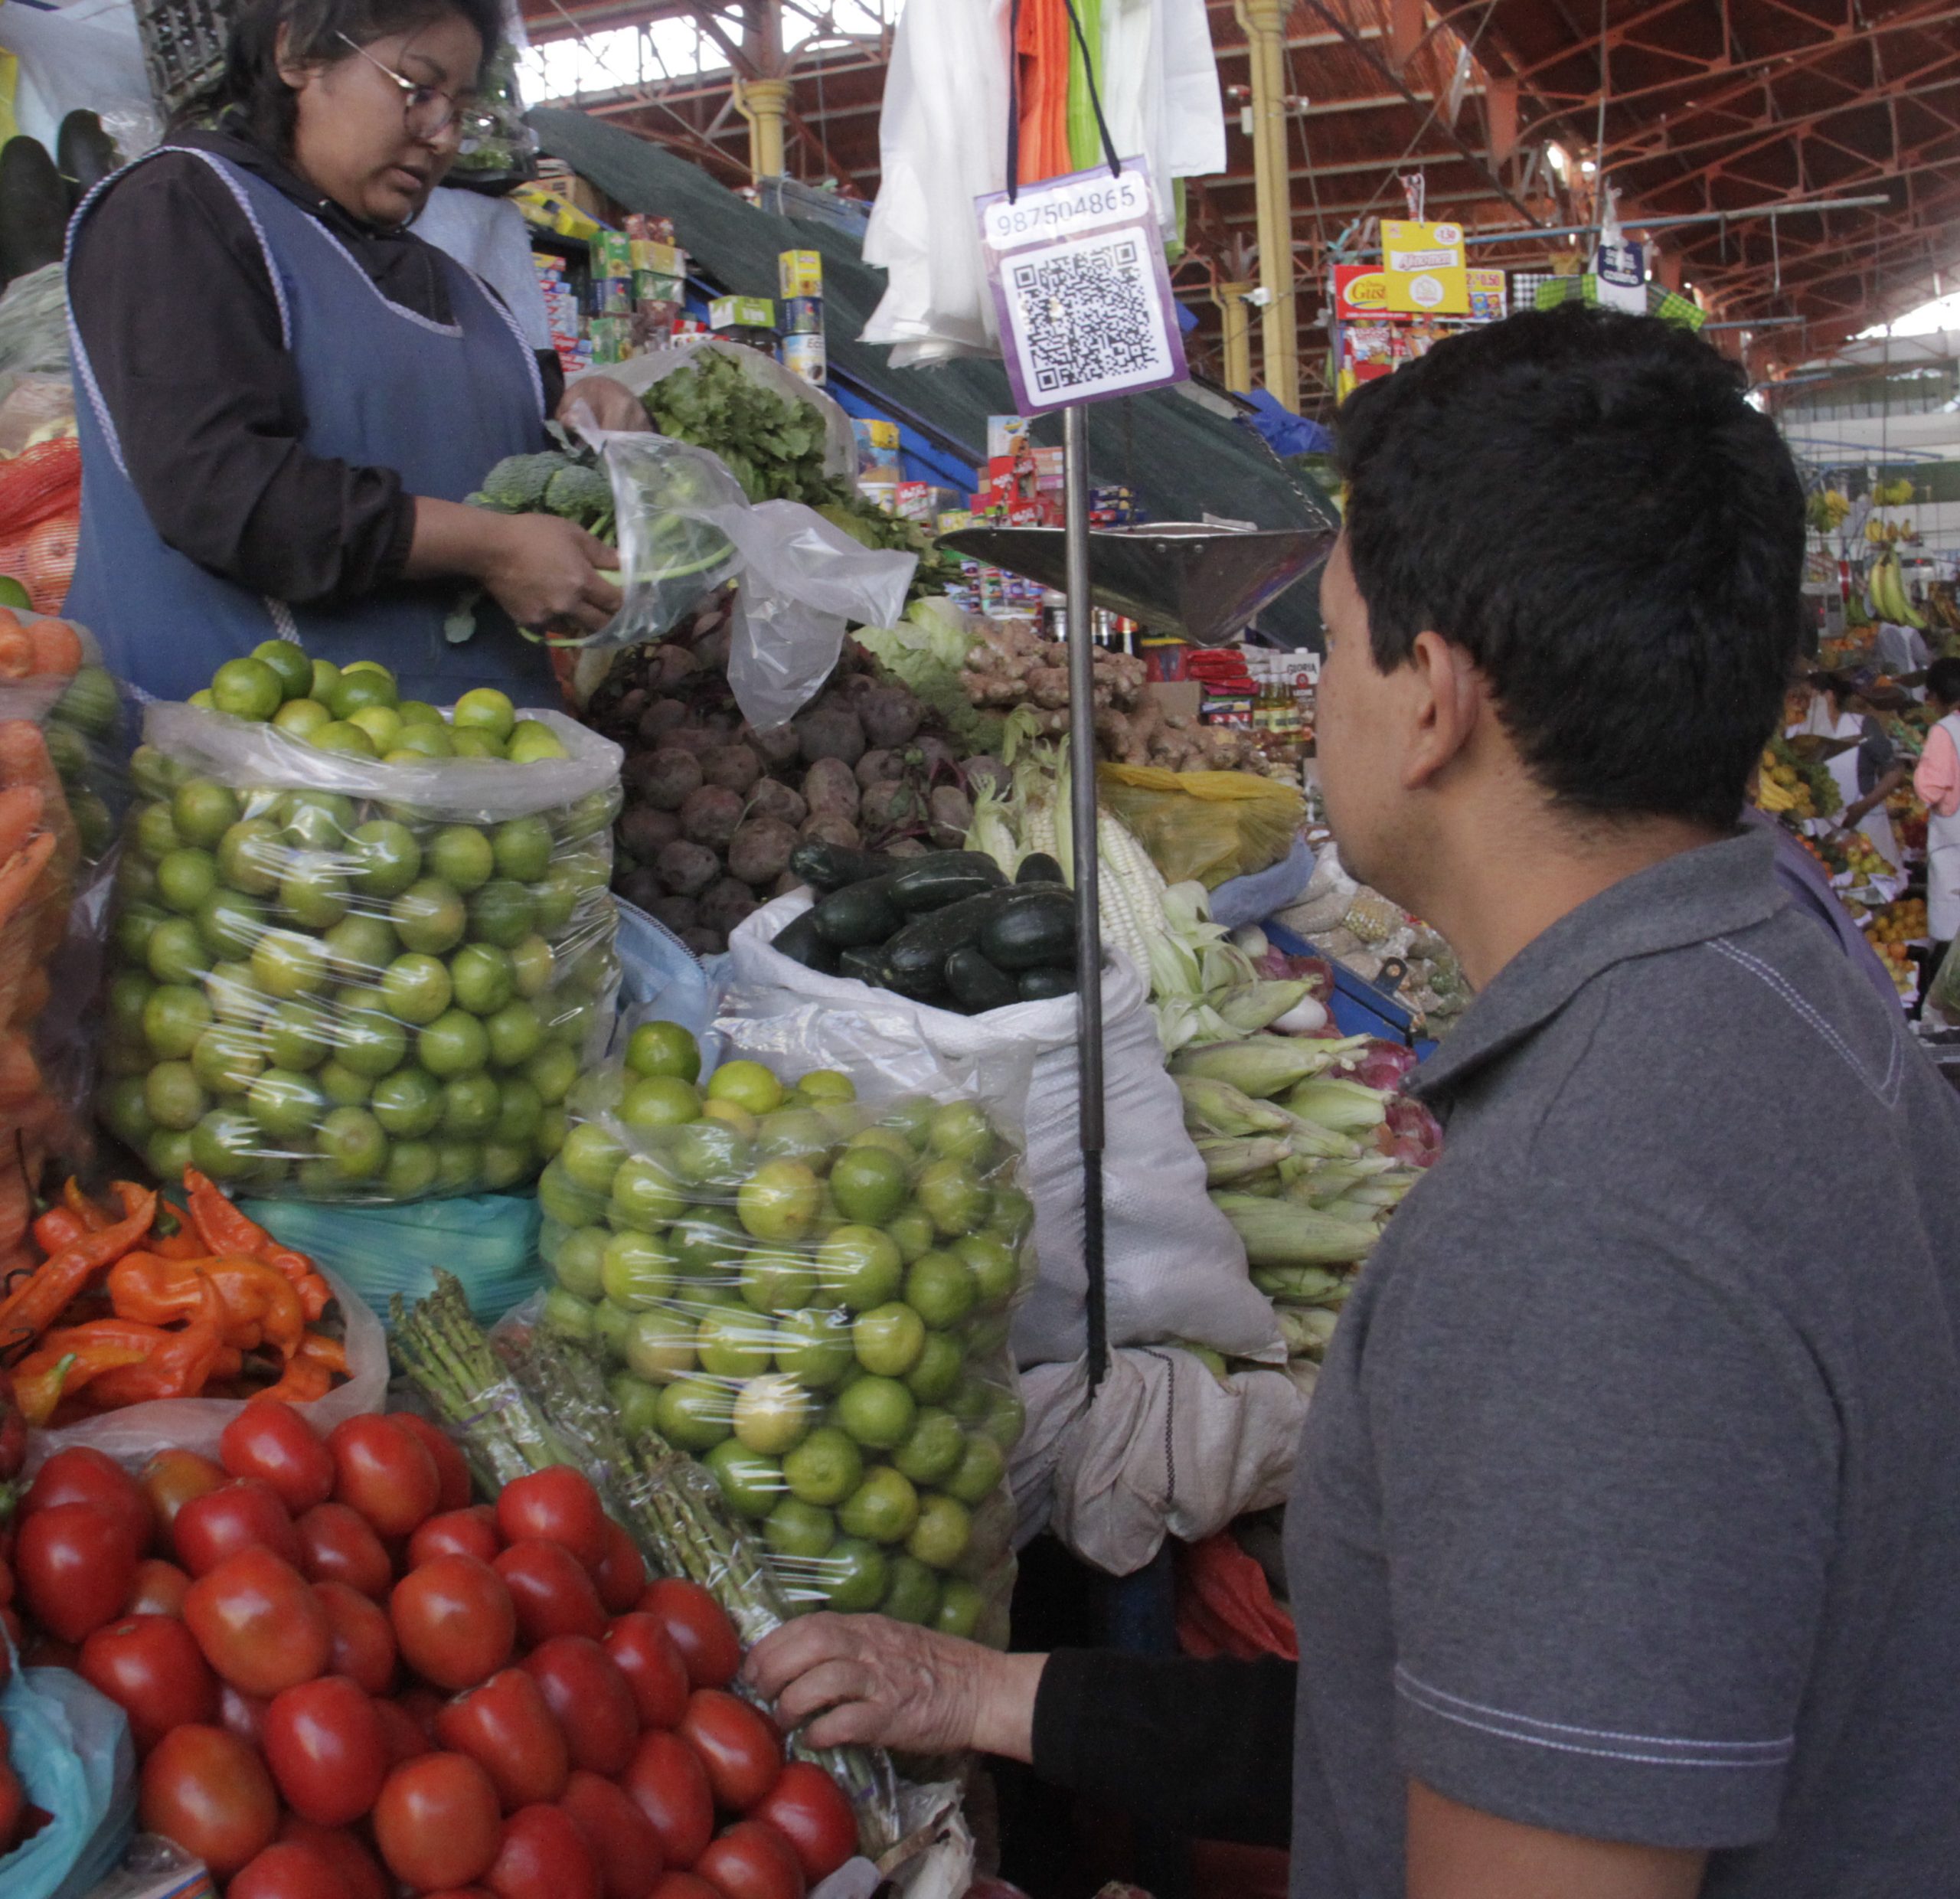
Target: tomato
453	1488
625	1847
591	1701
621	1578
326	1749
699	1627
158	1589
244	1715
752	1861
172	1478
209	1793
211	1528
274	1444
557	1506
471	1532
259	1624
808	1809
287	1870
363	1639
150	1667
683	1886
507	1727
384	1472
422	1704
738	1744
76	1565
553	1592
359	1873
82	1475
455	1620
544	1855
437	1823
643	1653
402	1734
337	1545
669	1786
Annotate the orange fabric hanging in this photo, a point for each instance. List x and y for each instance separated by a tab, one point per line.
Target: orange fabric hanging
1043	50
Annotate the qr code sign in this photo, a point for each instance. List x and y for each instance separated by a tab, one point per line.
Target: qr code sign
1089	319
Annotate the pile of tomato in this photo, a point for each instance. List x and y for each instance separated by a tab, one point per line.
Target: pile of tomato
342	1676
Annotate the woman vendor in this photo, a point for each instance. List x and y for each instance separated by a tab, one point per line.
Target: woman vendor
1867	774
288	393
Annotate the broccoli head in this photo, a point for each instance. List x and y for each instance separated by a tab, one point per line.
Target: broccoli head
518	482
583	495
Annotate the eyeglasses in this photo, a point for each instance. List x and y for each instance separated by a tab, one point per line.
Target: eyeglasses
427	111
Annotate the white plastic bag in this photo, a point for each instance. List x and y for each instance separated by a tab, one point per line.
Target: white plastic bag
1173	1266
132	1435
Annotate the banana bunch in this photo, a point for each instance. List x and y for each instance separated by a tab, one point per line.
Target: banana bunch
1886	584
1896	494
1779	788
1826	508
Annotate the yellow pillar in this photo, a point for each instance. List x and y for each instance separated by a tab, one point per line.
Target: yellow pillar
1230	299
1265	24
763	101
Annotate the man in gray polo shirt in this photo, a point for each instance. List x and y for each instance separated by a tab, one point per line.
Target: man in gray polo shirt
1624	1549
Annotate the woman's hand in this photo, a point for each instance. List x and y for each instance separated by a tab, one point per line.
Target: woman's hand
543	571
868	1680
599	402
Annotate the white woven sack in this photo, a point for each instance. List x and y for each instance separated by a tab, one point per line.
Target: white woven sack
1174	1268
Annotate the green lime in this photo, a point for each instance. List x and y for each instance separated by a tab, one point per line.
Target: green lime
534	964
470	744
325	673
230	923
129	990
981	1469
487	711
369	1041
351	1141
636	1402
960	1131
564	1200
173	1096
287	660
591	814
133	930
337	735
247	689
454	1044
856	1574
317	820
576	1261
697	1415
567	1315
185	879
552	1126
135	880
708	1243
882	1509
751	1483
932	1452
469	1106
286	963
360	687
251	856
942	1289
637	1270
941	1533
312	892
157	833
859	1267
458	1167
386	859
507	1162
877	1412
913	1593
169	1153
227	1060
360	948
233	996
746	1084
287	1105
416	989
481	978
460	854
123	1113
961	1607
417	744
174	1017
888	1339
799	1532
203	811
429	916
592	1157
661	1101
551	1071
175	952
825	1468
410	1171
665	1049
519	1111
869	1185
776	1281
501	913
381	723
420	712
532	742
708	1153
813	1345
644	1195
781	1199
557	894
732	1342
661	1346
995	1265
795	1134
517	1033
912	1116
225	1144
772	1414
888	1139
954	1199
298	1035
302	718
911	1231
937	1375
523	847
1011	1218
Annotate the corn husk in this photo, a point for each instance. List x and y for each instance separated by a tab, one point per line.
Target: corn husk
1227	1162
1338	1104
1216	1107
1264	1065
1259	1005
1302	1285
1283	1233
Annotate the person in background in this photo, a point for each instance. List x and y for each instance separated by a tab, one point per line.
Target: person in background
1867	776
1937	780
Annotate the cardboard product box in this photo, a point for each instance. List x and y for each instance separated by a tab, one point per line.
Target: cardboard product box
612	296
874	433
806	356
800	273
1048	465
1005	433
689	326
645	228
657	286
742	313
952	520
611	254
667	260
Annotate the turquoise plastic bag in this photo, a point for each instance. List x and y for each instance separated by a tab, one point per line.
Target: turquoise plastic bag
71	1748
489	1240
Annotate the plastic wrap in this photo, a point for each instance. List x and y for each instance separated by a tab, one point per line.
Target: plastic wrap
1209	826
345	979
806	1280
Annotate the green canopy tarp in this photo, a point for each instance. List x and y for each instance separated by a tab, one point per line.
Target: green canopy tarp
1182	459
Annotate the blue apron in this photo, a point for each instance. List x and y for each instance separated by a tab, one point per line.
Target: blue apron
439	402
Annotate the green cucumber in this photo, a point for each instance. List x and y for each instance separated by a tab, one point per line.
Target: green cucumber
1039	868
858	915
1038	986
943	877
867	965
976	984
798	940
1032	928
915	959
830	867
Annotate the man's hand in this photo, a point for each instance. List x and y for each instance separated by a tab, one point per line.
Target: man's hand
1456	1852
601	403
875	1682
545	571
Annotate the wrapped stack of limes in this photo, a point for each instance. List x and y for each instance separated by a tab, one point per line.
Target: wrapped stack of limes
361	957
811	1293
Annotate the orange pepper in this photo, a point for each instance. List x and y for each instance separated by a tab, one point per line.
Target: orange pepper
34	1305
330	1352
306	1380
178	1368
226	1230
260	1306
85	1209
75	1357
59	1226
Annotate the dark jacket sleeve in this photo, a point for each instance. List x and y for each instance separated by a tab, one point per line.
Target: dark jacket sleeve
170	293
1205	1747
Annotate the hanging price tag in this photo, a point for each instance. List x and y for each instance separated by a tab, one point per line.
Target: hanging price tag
1076	268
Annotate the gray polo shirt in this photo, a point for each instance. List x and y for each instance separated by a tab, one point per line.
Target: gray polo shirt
1629	1501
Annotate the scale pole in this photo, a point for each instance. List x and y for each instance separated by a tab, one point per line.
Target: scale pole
1088	915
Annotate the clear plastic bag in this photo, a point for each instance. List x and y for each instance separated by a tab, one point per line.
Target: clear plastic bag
806	1281
1209	826
348	980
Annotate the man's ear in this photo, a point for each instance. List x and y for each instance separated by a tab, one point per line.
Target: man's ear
293	73
1446	701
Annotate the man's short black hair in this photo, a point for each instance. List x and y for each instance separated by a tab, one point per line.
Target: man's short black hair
1586	503
1943	681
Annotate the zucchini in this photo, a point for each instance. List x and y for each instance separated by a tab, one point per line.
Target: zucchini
866	964
1038	986
830	867
931	882
1039	868
1032	928
858	915
976	984
915	959
798	940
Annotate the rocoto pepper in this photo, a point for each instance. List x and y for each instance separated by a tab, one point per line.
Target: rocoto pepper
226	1230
